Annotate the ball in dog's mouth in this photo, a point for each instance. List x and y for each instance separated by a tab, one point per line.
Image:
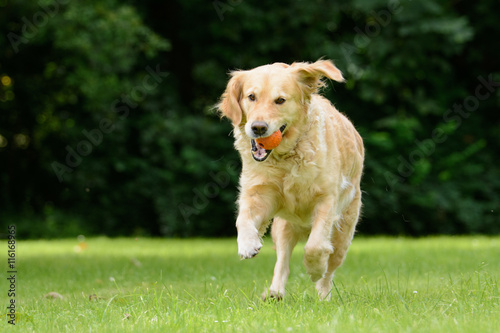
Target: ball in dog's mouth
262	147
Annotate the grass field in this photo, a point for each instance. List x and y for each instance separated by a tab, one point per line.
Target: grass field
441	284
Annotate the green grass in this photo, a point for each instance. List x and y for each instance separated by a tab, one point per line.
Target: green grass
443	284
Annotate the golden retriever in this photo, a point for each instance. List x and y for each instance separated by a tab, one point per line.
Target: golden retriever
309	185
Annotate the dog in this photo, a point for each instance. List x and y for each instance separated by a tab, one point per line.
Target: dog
309	185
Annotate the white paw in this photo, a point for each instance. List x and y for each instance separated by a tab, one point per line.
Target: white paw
248	247
324	288
271	295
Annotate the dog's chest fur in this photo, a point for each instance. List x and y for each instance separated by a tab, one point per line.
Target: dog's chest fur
300	187
299	196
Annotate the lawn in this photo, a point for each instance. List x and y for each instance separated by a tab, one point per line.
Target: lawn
441	284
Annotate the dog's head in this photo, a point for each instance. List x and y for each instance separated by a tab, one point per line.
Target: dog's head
273	98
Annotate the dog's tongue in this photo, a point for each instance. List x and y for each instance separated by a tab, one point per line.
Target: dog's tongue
258	151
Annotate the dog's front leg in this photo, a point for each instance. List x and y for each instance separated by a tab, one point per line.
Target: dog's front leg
256	207
319	247
285	238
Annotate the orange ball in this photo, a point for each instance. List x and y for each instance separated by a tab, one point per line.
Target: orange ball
270	142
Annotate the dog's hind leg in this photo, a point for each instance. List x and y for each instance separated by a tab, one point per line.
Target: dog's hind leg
285	238
341	240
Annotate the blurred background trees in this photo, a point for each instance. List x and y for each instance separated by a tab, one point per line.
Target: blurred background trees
106	122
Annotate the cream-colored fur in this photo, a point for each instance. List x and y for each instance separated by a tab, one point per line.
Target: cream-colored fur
309	185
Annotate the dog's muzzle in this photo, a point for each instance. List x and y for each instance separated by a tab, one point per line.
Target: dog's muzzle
260	154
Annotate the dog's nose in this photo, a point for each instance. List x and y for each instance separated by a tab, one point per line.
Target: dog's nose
259	127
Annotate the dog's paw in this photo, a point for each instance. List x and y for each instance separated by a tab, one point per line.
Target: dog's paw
315	270
272	295
316	276
316	262
248	247
324	288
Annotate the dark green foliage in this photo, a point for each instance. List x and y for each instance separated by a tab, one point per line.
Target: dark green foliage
130	85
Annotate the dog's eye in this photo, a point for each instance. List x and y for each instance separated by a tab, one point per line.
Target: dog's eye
279	100
251	97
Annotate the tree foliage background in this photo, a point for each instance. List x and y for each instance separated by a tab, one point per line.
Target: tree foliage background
106	124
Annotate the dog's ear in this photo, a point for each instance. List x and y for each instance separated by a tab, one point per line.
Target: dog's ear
310	75
229	105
